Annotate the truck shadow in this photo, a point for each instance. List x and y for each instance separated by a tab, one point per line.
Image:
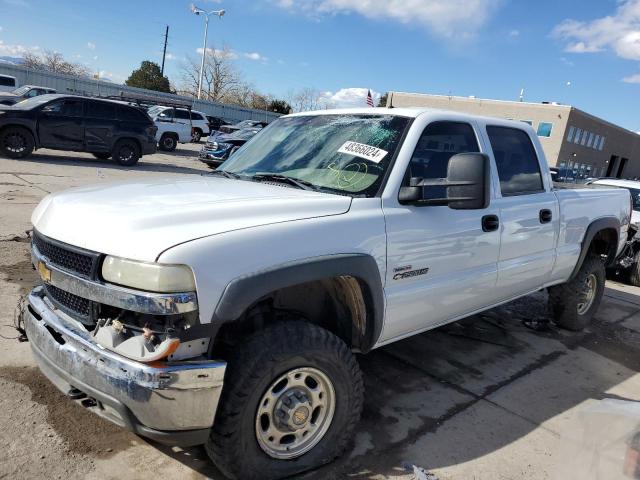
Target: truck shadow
511	377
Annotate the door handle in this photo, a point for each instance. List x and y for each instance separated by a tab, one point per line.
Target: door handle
545	215
490	223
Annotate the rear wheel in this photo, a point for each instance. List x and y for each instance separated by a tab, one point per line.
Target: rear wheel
126	153
291	400
197	135
634	270
168	142
102	155
573	304
16	142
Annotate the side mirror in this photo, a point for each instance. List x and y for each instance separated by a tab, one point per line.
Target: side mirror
467	184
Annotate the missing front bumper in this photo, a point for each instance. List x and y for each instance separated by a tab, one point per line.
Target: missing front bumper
174	403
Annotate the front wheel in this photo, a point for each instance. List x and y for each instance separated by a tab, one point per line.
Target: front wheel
291	400
634	270
573	304
168	142
196	136
16	142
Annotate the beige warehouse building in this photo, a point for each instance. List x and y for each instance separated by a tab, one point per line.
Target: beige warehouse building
579	144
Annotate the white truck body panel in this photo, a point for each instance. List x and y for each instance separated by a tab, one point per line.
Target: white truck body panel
183	131
225	229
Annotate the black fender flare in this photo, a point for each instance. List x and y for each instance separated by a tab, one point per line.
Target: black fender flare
27	125
605	223
243	291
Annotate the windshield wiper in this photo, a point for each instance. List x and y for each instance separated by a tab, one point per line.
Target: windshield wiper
296	182
226	174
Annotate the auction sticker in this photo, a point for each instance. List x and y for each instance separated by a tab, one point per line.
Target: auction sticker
373	154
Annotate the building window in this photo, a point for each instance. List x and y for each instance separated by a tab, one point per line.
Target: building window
590	141
585	135
601	143
544	129
578	135
596	142
572	132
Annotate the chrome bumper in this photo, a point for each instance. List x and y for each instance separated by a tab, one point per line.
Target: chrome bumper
174	404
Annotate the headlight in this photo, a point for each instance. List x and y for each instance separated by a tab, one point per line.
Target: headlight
153	277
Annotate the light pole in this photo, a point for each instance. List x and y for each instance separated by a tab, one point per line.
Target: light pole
199	11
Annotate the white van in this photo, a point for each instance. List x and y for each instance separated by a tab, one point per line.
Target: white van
8	83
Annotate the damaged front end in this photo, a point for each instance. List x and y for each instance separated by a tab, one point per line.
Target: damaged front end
132	356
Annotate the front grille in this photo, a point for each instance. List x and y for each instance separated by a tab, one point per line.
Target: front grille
71	304
65	256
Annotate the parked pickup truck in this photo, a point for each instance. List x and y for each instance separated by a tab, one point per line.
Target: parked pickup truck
226	309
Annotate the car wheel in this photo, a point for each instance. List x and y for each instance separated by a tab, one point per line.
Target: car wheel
573	304
16	142
634	270
197	136
126	153
168	142
102	155
291	399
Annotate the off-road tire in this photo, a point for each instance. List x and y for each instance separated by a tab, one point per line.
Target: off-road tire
564	299
258	362
168	142
196	136
13	138
634	270
126	153
102	155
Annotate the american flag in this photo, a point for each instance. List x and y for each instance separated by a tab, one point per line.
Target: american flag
369	98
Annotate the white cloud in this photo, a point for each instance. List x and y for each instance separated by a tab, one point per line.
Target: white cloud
229	54
348	97
91	45
171	56
618	32
456	19
514	33
16	50
632	78
95	57
255	56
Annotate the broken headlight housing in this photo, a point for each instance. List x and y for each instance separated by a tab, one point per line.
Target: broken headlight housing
152	277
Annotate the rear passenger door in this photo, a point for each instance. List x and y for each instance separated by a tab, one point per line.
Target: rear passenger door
528	213
100	125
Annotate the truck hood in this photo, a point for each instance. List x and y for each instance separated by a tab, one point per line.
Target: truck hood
140	219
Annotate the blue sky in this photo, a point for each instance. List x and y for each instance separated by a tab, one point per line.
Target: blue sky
582	52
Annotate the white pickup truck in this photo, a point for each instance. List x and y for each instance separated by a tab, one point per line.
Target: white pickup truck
226	309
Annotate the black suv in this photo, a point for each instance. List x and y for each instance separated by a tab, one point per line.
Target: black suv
105	128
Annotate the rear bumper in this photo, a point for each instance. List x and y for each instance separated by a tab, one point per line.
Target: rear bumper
149	147
174	404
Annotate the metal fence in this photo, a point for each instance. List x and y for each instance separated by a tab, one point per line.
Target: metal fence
87	86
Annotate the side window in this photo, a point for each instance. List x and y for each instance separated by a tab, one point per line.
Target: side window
7	82
182	114
516	160
166	114
101	110
439	142
196	116
31	93
72	108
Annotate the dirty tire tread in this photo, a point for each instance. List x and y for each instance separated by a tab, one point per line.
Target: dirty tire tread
245	371
634	270
563	299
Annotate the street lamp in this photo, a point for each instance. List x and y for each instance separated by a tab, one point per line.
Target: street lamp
200	11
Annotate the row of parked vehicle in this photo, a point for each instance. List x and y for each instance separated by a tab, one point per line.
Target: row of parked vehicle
123	129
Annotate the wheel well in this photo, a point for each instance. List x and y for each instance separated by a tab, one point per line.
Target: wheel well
169	134
342	305
23	127
134	140
605	243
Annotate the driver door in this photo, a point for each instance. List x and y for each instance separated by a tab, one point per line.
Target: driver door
61	124
441	262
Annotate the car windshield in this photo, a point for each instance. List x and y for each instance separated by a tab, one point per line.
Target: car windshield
244	124
21	90
33	102
244	134
343	153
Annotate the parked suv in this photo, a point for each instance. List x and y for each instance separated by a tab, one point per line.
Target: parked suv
22	93
197	120
7	83
105	128
242	125
215	152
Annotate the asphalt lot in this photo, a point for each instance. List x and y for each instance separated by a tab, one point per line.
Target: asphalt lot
484	398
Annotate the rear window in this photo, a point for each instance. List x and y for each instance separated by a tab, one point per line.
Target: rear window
131	114
182	114
7	82
196	116
101	110
516	160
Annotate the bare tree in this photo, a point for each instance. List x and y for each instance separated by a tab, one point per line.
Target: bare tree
49	61
220	78
306	99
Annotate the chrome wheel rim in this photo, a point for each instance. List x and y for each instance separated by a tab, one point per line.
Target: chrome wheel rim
589	294
126	154
168	142
15	143
295	413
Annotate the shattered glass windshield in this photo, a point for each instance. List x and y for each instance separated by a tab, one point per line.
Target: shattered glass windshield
343	153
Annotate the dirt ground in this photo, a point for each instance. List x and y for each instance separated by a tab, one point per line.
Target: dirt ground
483	398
